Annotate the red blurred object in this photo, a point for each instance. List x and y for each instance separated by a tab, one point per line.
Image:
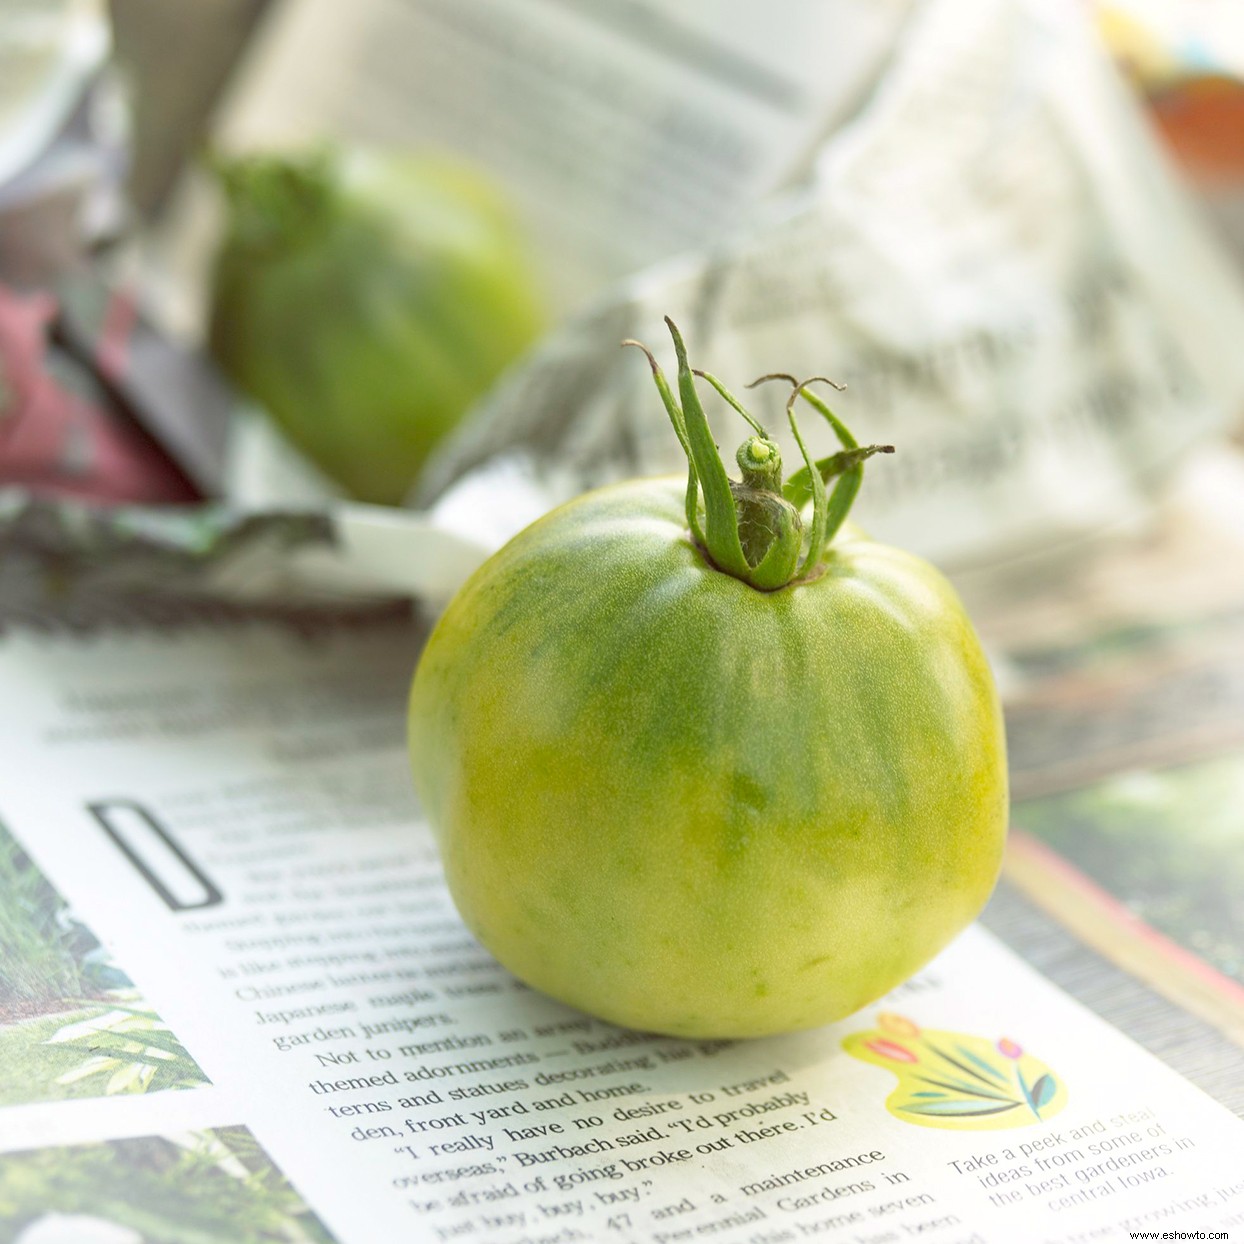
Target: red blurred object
95	405
1202	119
57	433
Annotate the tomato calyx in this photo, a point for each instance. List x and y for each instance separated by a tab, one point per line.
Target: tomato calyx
754	529
278	203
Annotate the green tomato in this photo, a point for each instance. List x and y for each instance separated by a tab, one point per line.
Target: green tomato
690	806
366	302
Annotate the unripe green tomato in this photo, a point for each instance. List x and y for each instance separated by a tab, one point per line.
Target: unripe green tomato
366	301
689	806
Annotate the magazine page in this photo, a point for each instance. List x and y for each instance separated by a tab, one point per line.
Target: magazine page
237	984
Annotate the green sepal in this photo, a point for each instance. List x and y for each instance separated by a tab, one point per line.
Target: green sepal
798	488
721	519
816	538
852	474
732	401
680	430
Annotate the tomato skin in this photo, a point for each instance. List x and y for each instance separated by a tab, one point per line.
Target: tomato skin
691	807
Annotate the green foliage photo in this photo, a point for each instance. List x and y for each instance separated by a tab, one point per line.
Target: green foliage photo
38	967
196	1188
1168	843
71	1023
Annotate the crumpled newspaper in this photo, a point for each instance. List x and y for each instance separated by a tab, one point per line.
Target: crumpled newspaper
993	257
63	137
992	254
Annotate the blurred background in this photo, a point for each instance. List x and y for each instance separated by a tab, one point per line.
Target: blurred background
1014	230
313	304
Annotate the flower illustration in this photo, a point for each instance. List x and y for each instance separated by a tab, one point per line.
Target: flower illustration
892	1050
899	1025
953	1080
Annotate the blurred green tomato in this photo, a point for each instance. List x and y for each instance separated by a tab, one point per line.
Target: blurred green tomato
366	301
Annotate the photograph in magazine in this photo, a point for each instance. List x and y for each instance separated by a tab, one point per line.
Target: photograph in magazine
214	1184
72	1024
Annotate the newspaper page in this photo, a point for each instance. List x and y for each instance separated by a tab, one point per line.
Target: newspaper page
623	131
234	989
1123	678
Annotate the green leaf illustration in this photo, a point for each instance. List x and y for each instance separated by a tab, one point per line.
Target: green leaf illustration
1043	1091
958	1109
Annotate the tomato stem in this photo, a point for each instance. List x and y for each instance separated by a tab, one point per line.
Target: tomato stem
760	460
752	529
771	533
